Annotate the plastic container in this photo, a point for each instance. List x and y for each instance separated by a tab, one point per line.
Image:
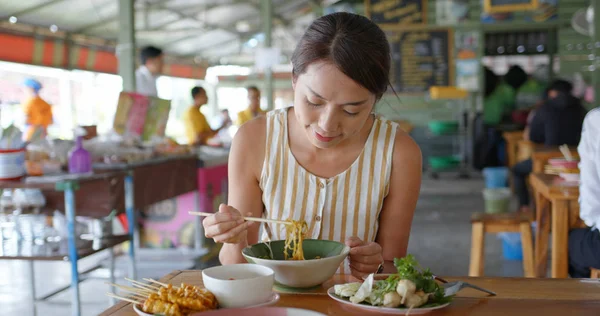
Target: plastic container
443	127
12	164
80	160
495	177
443	162
497	201
563	163
512	247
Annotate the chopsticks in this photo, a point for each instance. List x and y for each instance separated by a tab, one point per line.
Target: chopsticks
252	219
564	149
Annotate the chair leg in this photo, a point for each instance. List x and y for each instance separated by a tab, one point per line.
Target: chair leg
477	248
526	241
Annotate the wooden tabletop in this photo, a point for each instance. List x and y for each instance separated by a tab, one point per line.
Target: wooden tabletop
554	187
516	296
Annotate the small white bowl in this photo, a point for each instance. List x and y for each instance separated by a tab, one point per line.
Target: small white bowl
239	285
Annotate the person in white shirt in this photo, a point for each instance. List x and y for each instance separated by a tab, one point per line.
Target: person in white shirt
584	244
151	67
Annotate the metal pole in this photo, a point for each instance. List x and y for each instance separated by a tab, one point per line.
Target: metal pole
112	300
72	246
134	240
198	228
32	286
126	44
267	20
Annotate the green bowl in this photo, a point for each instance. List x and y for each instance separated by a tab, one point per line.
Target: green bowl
304	273
443	127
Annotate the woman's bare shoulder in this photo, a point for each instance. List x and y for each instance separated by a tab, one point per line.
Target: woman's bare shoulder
406	150
248	146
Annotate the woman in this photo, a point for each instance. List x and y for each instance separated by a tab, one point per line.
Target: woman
352	176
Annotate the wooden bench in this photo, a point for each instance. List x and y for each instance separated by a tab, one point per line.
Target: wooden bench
498	223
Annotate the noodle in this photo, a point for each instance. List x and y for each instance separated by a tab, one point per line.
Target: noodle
295	233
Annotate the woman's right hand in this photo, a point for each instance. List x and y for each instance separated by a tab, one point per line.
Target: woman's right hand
226	226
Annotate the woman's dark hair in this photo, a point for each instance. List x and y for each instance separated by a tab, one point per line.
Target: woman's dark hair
562	86
196	91
516	77
354	44
490	80
149	52
255	88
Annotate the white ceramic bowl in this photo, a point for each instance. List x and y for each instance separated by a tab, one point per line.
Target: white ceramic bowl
239	285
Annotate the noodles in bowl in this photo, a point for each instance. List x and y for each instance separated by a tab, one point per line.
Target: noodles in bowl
298	262
295	233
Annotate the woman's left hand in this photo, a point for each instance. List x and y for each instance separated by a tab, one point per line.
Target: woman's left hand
365	257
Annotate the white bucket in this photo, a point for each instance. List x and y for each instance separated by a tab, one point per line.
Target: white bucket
12	164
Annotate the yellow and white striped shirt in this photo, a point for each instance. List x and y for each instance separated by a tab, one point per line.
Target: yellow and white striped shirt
343	206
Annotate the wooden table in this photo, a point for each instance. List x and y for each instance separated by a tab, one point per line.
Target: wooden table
541	154
556	202
512	139
516	296
159	179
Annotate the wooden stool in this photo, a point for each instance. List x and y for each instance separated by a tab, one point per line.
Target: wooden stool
497	223
595	273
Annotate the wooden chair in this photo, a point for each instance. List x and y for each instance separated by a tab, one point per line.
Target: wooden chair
497	223
595	273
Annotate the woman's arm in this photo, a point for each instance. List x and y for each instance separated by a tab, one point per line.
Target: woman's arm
245	166
396	216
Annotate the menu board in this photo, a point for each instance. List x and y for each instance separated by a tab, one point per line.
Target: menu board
421	59
499	6
396	12
141	116
156	118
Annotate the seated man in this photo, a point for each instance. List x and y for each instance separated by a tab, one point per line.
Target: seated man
253	109
584	244
557	122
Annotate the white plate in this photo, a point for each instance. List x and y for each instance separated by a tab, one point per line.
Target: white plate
274	299
383	310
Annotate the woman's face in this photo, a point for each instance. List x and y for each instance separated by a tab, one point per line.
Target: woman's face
329	105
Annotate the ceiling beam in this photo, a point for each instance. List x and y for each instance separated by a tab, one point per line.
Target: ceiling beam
152	7
33	8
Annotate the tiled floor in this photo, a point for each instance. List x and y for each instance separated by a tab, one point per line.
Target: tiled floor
440	239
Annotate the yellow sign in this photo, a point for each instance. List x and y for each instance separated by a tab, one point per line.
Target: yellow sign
505	6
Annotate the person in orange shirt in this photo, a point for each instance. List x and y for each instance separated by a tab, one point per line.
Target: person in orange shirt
38	113
253	109
197	129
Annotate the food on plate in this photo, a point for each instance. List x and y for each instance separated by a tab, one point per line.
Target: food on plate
169	300
409	288
295	233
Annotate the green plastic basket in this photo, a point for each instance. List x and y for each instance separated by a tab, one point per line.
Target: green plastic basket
443	127
443	162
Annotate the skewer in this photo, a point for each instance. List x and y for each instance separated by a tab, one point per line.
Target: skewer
143	285
123	298
159	283
131	289
252	219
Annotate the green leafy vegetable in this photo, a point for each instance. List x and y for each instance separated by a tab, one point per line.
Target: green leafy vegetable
409	269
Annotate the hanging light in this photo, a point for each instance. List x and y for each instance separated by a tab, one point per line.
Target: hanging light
13	19
53	28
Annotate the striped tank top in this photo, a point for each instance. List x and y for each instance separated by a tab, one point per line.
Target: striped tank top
336	208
